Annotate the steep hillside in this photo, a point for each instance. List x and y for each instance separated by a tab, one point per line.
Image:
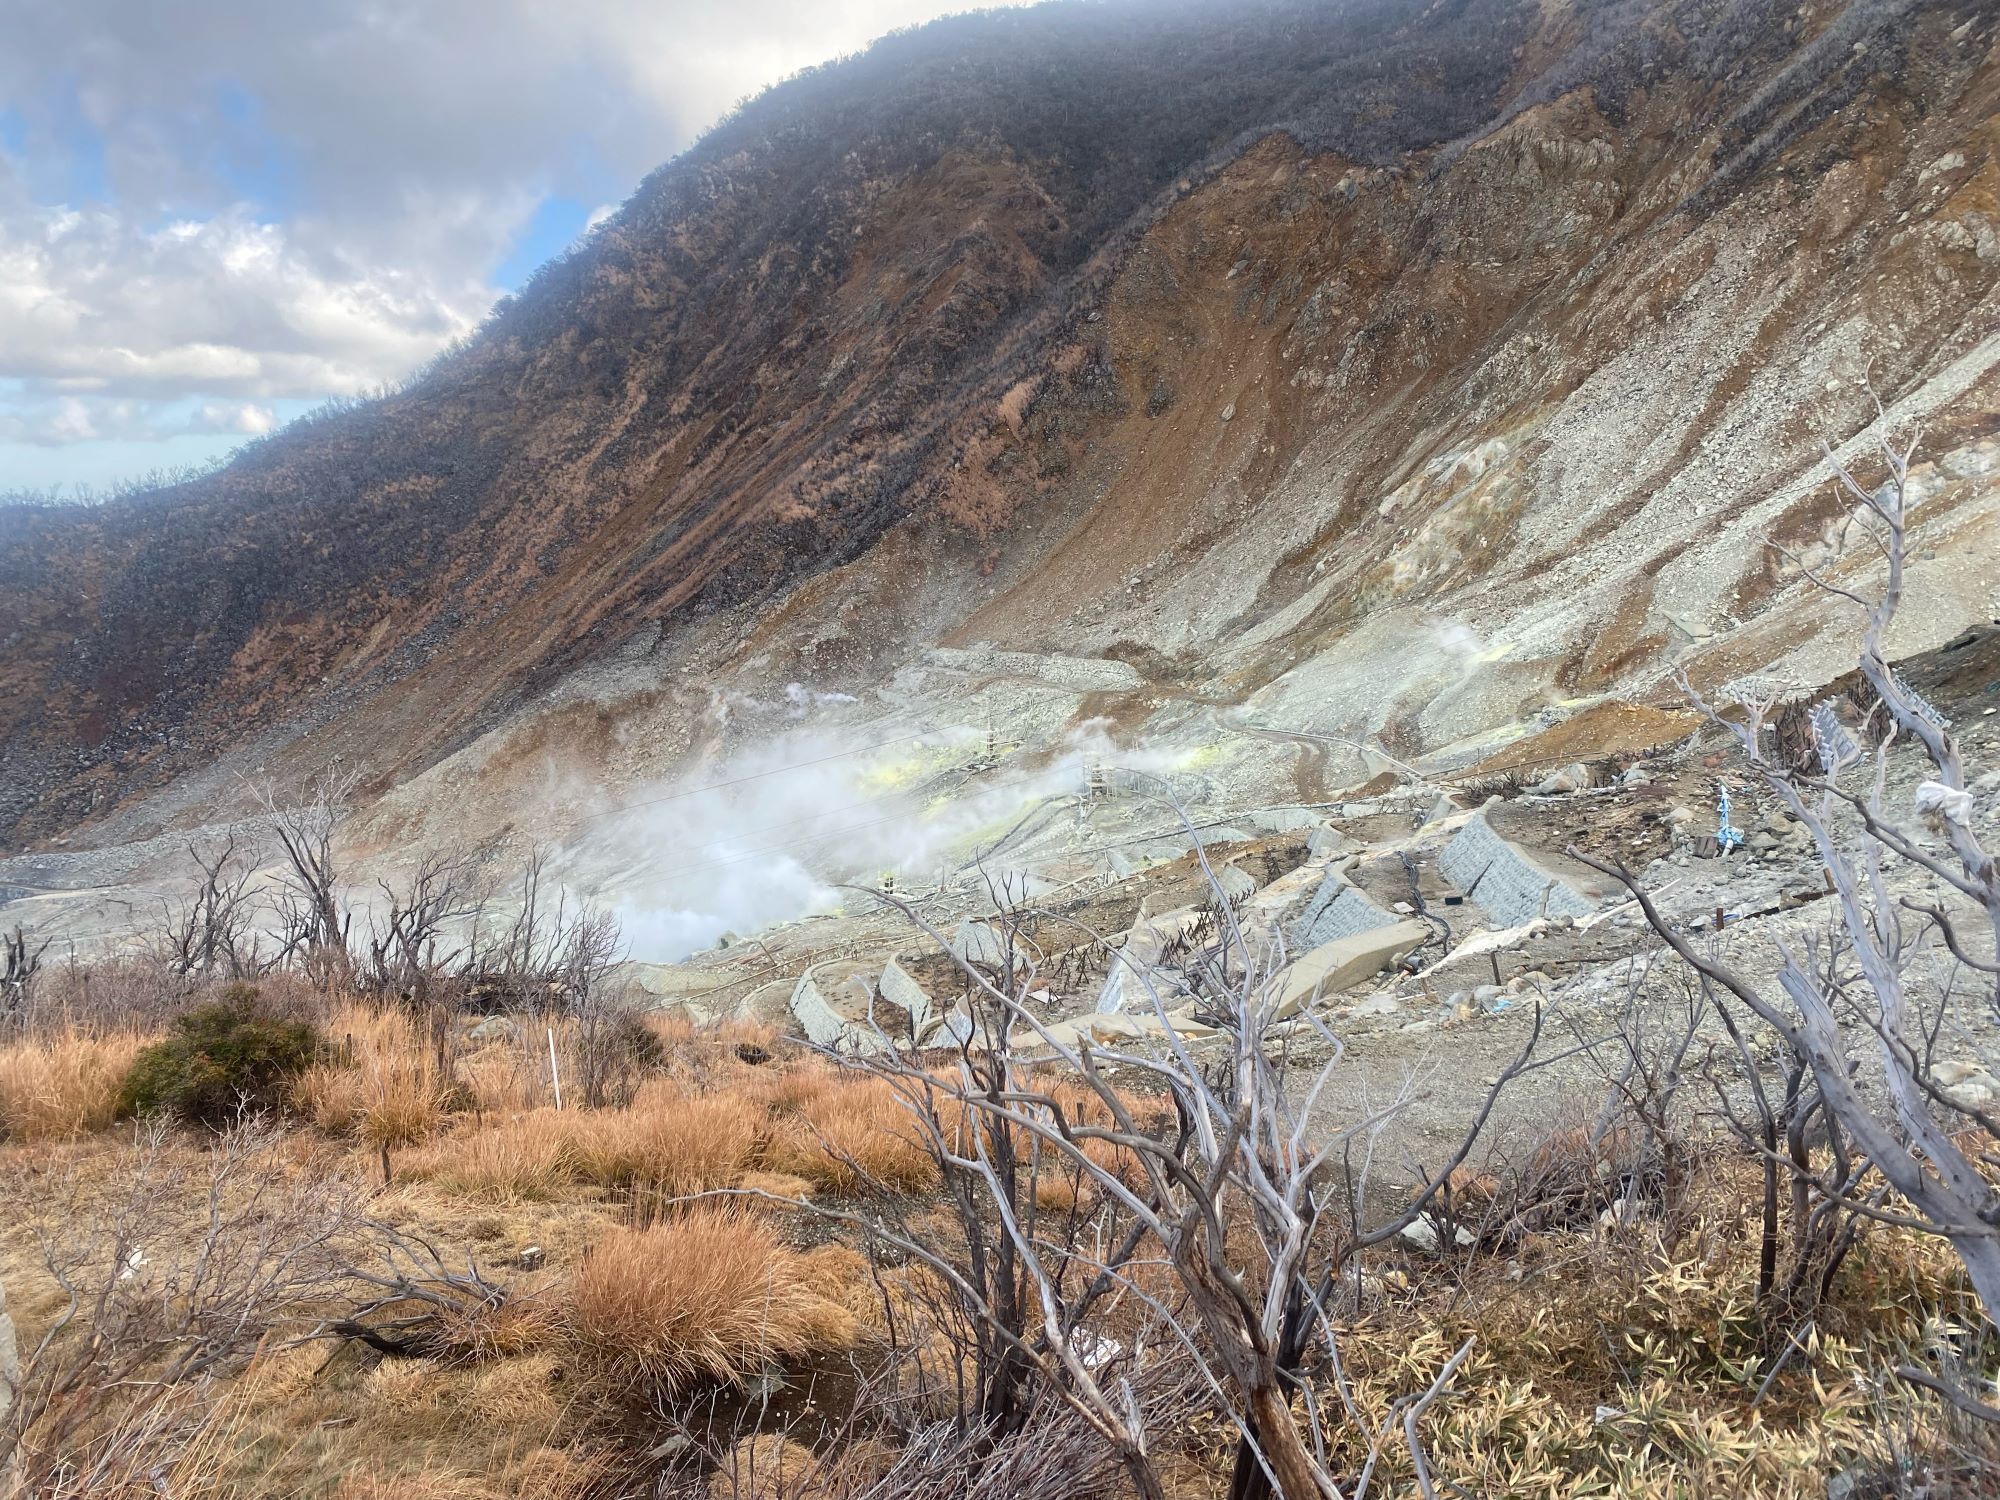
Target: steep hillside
760	364
1303	358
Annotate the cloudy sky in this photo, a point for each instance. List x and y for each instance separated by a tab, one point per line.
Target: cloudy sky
214	214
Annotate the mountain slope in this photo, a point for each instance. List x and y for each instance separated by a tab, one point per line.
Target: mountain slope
1301	358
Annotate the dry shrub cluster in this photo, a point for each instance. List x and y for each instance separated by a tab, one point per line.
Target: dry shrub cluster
1634	1363
398	1078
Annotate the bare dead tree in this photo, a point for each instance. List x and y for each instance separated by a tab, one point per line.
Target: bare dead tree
23	961
313	919
554	949
1805	1159
1025	1281
1648	1055
527	951
1882	1107
1051	1452
1251	1204
403	957
413	1304
605	1032
212	931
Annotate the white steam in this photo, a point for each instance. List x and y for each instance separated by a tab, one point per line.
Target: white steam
770	834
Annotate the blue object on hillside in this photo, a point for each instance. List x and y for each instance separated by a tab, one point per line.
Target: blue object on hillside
1727	837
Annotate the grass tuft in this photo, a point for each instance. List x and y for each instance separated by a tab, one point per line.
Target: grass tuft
65	1085
667	1142
525	1159
852	1135
709	1296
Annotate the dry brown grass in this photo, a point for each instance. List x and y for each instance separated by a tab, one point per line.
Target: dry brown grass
851	1134
776	1185
402	1386
1064	1187
518	1392
282	1373
329	1096
768	1466
540	1473
402	1105
526	1158
791	1090
668	1142
1571	1323
709	1295
63	1084
387	1087
499	1080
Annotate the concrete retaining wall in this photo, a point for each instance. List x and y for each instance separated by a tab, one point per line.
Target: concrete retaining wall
1338	909
831	1001
899	989
823	1026
1509	882
977	943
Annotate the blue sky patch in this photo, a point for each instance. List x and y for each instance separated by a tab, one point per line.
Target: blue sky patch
557	221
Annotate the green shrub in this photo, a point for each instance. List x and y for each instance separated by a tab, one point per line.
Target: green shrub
219	1060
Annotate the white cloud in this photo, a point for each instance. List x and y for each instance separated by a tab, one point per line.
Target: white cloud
69	422
223	306
71	419
245	417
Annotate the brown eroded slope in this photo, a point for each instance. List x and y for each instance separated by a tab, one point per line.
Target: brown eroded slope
778	348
